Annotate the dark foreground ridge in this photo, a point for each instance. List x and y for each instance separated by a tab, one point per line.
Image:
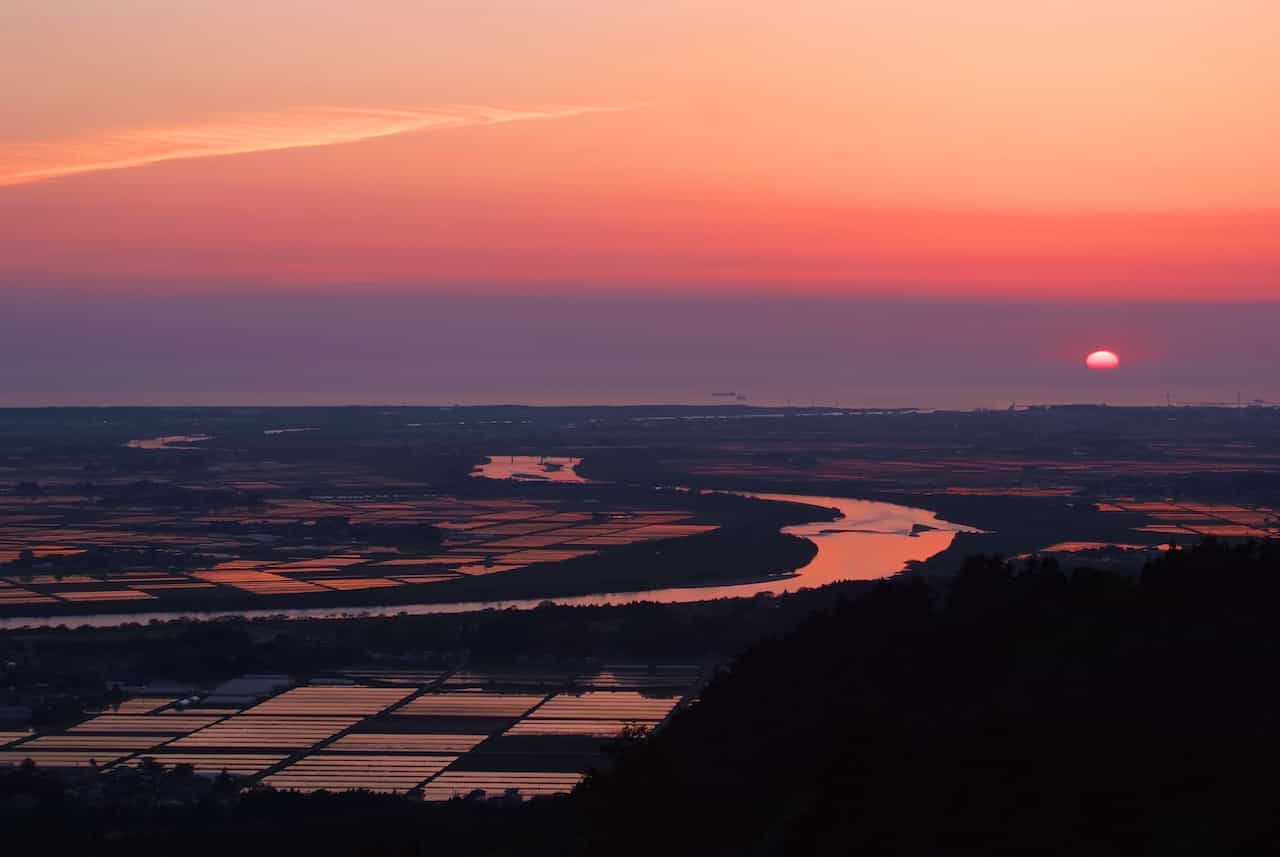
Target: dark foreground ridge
1021	711
1032	714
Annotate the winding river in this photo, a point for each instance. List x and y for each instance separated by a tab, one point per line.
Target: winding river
869	540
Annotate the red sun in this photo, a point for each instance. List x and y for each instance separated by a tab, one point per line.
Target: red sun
1102	361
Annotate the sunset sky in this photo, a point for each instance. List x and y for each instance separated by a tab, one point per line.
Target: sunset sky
1070	151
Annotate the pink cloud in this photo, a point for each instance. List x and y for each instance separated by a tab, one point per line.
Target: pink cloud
243	134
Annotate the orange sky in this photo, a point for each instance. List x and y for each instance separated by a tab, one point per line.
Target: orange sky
1124	148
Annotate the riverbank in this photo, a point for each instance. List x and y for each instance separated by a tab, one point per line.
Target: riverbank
729	556
733	562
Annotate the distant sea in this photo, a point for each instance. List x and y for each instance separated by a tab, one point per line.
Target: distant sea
947	398
375	348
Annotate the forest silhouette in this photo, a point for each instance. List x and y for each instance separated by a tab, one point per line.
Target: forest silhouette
1025	711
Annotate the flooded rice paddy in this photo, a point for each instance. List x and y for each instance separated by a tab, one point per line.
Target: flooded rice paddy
1194	520
448	735
866	540
481	538
869	540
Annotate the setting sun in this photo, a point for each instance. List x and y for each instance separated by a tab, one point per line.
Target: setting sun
1102	360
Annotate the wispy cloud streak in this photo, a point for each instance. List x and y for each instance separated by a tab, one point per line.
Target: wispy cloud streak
258	132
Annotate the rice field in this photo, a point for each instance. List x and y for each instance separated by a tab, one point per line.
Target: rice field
258	582
339	772
352	700
401	729
346	584
10	594
1193	520
142	705
249	731
122	743
595	728
470	704
425	578
482	538
82	595
619	705
145	724
402	742
595	713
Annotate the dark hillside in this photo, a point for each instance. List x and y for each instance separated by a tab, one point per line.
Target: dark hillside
1031	714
